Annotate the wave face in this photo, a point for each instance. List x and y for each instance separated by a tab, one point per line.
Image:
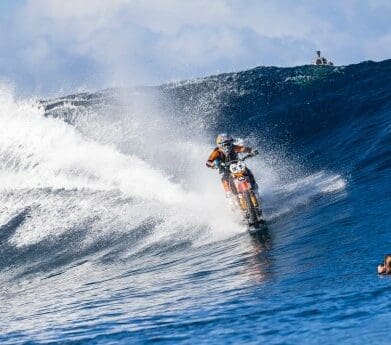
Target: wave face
113	231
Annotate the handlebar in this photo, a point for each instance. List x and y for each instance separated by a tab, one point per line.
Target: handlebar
239	160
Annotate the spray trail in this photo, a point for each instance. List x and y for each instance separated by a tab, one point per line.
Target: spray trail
132	150
43	156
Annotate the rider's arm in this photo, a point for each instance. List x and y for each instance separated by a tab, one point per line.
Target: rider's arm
212	157
242	149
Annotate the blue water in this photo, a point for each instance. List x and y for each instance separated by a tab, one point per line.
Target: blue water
112	231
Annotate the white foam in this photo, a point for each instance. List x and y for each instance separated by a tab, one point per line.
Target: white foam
287	197
41	157
111	172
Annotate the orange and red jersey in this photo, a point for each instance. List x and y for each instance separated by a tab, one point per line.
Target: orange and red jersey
217	154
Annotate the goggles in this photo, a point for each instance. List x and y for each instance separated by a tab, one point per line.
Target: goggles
226	145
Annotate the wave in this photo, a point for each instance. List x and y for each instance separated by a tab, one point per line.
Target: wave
113	161
73	174
147	146
115	181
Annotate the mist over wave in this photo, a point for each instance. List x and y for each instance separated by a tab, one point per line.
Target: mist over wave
105	201
131	150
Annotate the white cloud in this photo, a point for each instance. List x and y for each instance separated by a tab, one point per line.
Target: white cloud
95	42
379	48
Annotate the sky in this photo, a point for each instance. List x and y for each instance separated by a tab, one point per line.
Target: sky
51	47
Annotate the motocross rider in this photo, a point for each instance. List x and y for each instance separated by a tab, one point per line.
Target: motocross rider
225	152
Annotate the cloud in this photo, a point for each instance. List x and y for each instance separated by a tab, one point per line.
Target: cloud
52	44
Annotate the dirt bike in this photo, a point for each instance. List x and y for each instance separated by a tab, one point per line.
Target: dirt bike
246	200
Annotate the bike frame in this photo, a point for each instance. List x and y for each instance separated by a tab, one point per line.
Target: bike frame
242	184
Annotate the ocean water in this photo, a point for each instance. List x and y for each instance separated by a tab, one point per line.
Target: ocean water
112	230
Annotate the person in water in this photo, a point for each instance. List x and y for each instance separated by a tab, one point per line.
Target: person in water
385	267
225	152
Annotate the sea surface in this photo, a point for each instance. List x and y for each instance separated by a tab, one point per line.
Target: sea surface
113	231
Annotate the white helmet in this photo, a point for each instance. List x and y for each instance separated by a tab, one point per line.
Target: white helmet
224	142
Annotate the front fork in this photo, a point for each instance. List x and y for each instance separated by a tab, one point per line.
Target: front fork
238	200
234	200
242	202
255	199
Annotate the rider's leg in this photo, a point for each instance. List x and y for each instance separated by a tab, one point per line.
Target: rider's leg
229	190
226	184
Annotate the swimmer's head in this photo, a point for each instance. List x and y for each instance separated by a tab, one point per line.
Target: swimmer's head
387	261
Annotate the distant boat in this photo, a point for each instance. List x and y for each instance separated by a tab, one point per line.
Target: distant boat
321	60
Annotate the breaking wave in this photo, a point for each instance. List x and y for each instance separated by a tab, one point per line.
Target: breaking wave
111	187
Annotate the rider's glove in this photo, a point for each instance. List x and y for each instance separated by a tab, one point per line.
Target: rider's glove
210	164
213	164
